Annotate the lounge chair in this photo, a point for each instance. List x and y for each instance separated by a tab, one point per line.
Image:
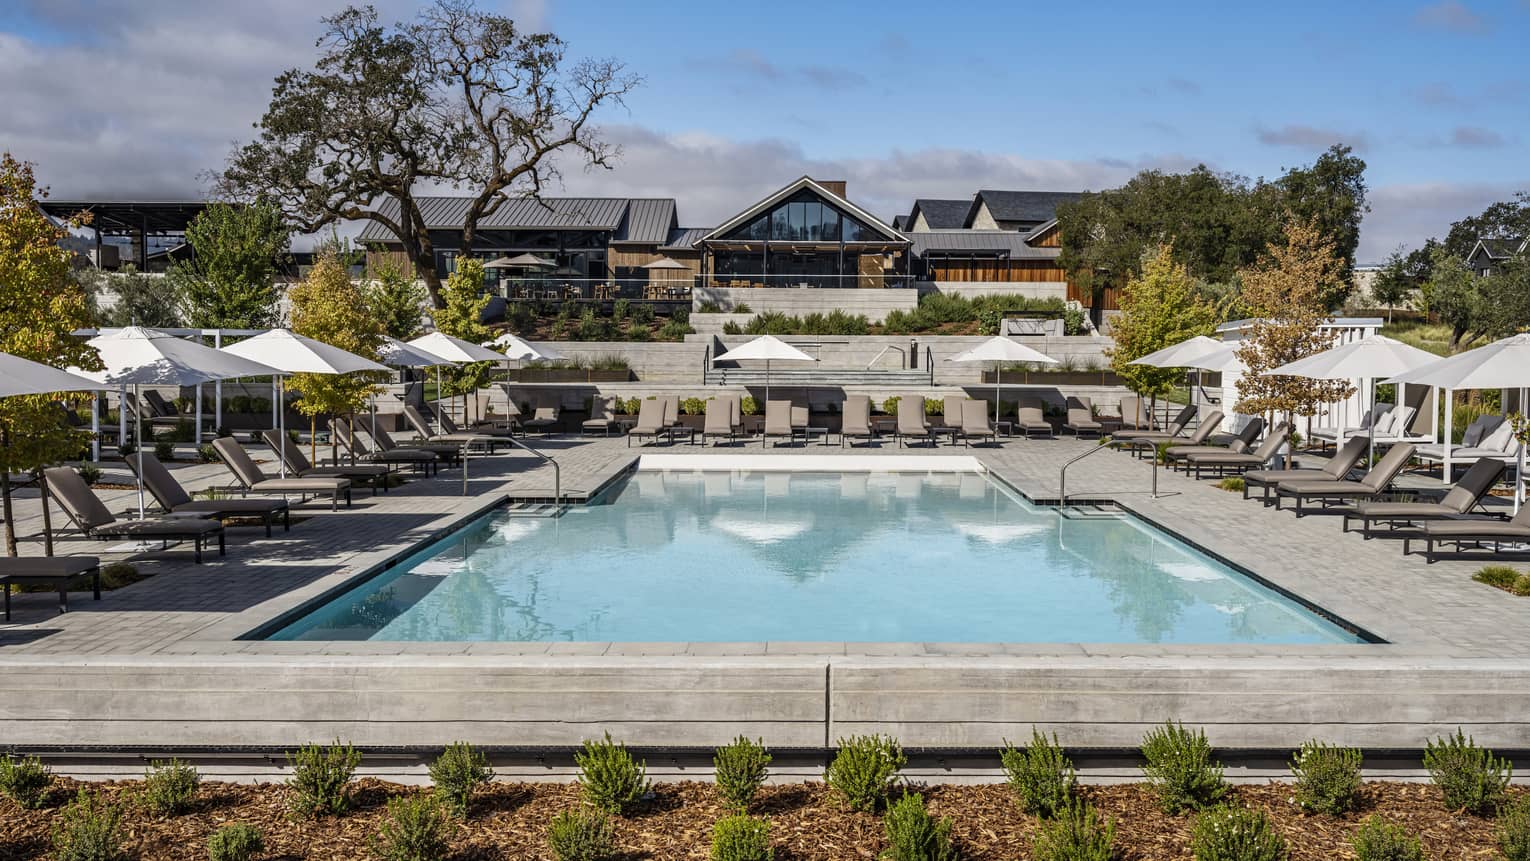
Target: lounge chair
1336	469
1498	444
1031	417
1480	534
650	422
1466	495
1081	418
1226	459
81	505
951	413
250	478
1370	485
719	421
1135	416
1334	433
1392	428
544	419
671	413
855	421
54	571
975	424
506	426
778	422
297	464
911	422
447	452
175	500
424	434
1176	431
600	420
162	413
1239	443
354	442
1474	435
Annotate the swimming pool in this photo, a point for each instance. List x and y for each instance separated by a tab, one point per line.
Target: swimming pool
733	556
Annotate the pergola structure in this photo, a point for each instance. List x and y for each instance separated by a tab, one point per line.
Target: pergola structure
137	220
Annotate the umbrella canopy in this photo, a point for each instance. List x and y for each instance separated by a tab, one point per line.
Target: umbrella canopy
397	354
1502	364
767	347
291	353
1180	355
1368	358
524	351
20	376
138	356
998	350
520	261
454	349
665	263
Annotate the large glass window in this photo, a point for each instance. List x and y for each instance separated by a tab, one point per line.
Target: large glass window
805	218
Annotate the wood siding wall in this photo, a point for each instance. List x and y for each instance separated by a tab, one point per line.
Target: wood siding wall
377	258
1051	239
618	256
996	270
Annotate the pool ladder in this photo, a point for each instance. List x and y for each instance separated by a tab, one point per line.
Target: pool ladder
1106	443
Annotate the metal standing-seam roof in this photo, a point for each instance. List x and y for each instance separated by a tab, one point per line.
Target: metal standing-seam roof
521	213
938	214
684	238
1006	243
648	221
1020	205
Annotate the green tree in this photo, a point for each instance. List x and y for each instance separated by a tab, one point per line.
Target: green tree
40	307
396	298
1393	285
1505	306
1159	308
462	317
230	281
138	298
1453	295
457	97
1506	219
327	306
1332	195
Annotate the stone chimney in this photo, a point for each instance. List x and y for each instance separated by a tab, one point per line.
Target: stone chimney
835	185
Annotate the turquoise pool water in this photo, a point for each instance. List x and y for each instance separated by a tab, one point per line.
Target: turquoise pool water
856	557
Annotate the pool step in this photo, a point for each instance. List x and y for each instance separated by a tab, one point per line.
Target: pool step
1089	511
534	509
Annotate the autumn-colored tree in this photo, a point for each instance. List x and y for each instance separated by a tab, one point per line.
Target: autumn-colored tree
463	318
1287	292
40	306
1159	308
327	306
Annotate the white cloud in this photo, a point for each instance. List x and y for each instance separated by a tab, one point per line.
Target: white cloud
1310	137
1408	214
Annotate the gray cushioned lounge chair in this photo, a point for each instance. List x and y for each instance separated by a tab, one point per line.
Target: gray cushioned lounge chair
54	571
1176	432
446	452
1227	460
422	431
1464	496
1325	433
951	412
855	421
81	505
298	465
1336	469
1081	418
975	424
719	422
1239	443
600	420
911	421
1031	418
1370	485
175	500
778	422
650	421
350	438
250	478
543	419
1476	534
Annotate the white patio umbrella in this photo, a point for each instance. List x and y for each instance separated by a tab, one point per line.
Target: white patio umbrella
20	376
517	349
1182	354
998	350
665	263
291	353
767	347
456	351
135	356
397	354
1368	358
1503	364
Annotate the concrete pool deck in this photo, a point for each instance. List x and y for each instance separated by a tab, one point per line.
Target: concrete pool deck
159	664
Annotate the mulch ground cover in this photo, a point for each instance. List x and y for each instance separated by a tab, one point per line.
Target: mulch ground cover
509	821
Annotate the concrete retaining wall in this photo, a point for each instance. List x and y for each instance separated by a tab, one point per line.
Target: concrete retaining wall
1028	289
872	302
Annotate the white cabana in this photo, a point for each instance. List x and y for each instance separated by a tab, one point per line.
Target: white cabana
1503	364
1370	358
770	349
135	356
291	353
999	350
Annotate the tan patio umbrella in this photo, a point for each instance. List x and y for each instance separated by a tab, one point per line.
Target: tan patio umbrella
767	347
998	350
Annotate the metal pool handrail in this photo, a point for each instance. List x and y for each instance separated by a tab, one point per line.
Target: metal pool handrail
1108	442
557	471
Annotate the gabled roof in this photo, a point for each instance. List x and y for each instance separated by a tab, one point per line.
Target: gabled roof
684	238
900	222
1040	229
805	182
1499	249
939	214
986	243
648	221
520	213
1020	205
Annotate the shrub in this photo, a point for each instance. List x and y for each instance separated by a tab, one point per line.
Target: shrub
1472	778
1041	776
164	449
741	838
240	404
1501	576
321	778
674	330
890	406
1181	769
1522	585
864	769
1514	831
631	406
169	787
1327	778
89	472
457	772
207	454
741	769
1380	840
126	448
185	431
914	835
88	829
1232	483
1075	833
25	780
236	842
623	307
417	829
742	308
748	406
693	407
581	835
732	328
709	307
611	779
1235	834
260	406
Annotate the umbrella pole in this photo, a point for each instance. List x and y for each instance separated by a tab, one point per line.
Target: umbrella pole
1519	460
437	409
1371	461
767	384
281	414
138	453
122	414
998	404
1450	438
95	427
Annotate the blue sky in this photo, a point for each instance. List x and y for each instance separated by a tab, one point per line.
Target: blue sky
901	99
